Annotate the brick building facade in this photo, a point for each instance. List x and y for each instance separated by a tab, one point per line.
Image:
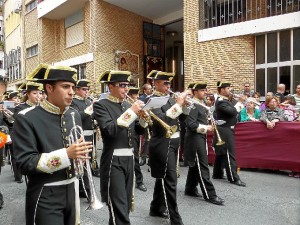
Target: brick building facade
219	40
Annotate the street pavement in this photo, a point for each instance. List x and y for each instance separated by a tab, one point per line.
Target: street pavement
270	198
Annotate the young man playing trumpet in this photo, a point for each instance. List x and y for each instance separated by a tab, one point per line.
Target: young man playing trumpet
44	153
117	121
225	154
195	149
163	150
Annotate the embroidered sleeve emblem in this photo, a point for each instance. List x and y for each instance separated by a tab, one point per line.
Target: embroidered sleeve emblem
54	162
126	116
174	110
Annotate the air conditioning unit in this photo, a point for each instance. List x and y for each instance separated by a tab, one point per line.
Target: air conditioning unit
18	6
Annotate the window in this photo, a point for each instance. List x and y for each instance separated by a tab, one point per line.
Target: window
282	66
30	6
81	71
32	51
74	29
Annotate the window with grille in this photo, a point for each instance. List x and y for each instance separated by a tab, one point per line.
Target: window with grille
81	71
31	5
32	51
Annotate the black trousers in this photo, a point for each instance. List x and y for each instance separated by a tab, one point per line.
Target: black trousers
120	190
56	205
17	172
137	168
225	155
165	188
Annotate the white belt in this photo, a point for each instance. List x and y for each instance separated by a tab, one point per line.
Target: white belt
62	182
88	132
123	152
175	135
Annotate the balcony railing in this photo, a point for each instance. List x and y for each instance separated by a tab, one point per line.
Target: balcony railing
222	12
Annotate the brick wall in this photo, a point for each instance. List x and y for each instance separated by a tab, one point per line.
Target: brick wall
106	28
229	59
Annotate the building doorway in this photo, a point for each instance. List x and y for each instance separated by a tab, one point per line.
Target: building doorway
174	57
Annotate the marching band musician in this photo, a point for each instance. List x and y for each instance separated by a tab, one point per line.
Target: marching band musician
133	93
163	151
117	121
3	85
31	98
9	119
195	149
43	151
225	154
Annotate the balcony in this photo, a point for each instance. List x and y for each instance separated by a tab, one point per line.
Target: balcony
232	18
223	12
58	9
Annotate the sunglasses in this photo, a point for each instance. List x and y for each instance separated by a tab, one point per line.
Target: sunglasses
167	83
85	89
122	85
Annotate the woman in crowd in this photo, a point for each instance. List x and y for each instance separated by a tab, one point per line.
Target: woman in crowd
250	113
263	105
272	114
289	107
256	96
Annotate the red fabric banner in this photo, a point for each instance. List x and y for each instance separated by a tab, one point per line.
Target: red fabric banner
259	147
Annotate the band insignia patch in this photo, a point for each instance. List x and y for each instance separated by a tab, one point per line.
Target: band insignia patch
174	110
54	162
127	116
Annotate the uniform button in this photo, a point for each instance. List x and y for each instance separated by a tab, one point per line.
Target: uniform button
67	145
70	167
66	138
70	175
64	122
65	129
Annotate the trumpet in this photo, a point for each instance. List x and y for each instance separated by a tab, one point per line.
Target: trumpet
210	113
169	129
75	134
213	123
9	115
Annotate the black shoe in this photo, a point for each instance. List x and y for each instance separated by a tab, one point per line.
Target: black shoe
1	201
216	200
164	214
194	193
238	183
141	187
19	181
143	161
219	177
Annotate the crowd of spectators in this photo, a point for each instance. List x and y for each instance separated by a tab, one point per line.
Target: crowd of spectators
277	107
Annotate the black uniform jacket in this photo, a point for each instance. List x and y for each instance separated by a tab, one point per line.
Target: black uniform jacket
225	110
159	144
41	130
80	105
22	106
114	136
194	140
